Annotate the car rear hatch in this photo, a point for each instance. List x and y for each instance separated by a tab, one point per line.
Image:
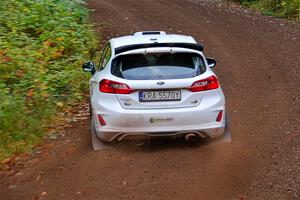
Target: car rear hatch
159	80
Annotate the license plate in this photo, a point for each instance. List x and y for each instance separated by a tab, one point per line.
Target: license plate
172	95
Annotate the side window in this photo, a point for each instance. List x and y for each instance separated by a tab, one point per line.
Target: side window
106	54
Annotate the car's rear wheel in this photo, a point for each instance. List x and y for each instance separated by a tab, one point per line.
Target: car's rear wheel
97	143
226	136
90	108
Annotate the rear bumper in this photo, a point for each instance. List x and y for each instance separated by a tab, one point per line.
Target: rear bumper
122	123
122	135
132	124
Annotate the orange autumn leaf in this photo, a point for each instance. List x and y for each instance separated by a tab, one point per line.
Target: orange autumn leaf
29	93
6	59
19	73
57	54
48	43
59	39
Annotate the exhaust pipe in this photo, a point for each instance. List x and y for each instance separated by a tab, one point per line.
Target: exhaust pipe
191	137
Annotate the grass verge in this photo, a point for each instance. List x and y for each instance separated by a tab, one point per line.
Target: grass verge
42	45
279	8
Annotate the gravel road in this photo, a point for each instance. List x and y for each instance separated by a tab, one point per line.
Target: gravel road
258	67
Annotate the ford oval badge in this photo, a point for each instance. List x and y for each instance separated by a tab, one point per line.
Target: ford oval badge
160	83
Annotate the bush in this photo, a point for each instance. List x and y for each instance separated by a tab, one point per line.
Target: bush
283	8
42	45
279	8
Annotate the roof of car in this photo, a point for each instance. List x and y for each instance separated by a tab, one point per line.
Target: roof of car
149	37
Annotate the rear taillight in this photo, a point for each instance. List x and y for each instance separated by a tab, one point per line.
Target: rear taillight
108	86
209	83
219	117
101	120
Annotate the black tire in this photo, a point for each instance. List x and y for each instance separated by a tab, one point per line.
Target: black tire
97	142
90	108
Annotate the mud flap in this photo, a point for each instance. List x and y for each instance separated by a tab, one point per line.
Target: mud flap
226	137
96	142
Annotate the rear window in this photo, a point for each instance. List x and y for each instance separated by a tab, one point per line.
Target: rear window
156	66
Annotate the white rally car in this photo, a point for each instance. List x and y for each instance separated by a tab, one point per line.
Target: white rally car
152	84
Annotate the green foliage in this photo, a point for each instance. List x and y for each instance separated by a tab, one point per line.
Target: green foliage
279	8
283	8
42	45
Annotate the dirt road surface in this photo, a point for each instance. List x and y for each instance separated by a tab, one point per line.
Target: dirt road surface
258	67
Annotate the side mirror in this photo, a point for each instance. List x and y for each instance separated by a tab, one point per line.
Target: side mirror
211	62
89	66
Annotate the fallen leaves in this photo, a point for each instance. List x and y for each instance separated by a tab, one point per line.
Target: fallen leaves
12	186
38	178
7	160
43	194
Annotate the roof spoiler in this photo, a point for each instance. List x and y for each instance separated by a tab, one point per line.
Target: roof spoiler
197	47
149	33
